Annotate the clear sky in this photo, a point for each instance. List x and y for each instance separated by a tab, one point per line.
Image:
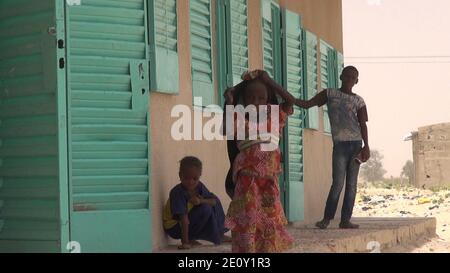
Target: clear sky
402	49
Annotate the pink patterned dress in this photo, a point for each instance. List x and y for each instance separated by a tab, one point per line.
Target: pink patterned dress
255	215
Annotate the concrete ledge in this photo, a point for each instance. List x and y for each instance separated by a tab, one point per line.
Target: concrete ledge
385	233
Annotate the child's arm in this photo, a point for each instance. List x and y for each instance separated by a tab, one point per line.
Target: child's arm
318	100
209	201
287	97
184	232
363	118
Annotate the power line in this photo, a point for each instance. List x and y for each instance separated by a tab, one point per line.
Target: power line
380	62
399	57
418	59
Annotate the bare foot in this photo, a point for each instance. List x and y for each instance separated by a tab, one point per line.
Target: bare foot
184	246
195	243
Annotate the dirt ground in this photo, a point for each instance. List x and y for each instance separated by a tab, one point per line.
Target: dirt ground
406	201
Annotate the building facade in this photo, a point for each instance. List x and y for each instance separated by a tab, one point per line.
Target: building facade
87	91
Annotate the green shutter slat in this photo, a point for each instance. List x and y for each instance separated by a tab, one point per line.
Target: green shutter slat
311	84
164	46
166	23
201	50
293	75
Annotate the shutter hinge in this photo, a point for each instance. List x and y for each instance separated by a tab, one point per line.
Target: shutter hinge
62	63
60	44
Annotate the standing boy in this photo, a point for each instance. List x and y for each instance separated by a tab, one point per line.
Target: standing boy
348	117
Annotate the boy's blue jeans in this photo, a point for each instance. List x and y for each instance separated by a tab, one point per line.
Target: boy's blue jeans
345	169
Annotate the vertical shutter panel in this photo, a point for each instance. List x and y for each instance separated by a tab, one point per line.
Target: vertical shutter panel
108	83
271	39
232	41
340	65
29	131
327	79
239	38
201	50
164	46
293	81
311	85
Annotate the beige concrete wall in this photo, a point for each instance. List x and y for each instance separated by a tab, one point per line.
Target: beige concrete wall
322	17
165	152
431	153
255	35
417	159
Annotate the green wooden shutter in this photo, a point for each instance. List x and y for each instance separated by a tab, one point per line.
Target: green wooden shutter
310	83
239	38
334	67
293	66
201	51
327	78
271	39
108	83
232	40
340	67
163	46
30	209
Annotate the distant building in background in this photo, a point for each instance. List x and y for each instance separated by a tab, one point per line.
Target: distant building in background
431	154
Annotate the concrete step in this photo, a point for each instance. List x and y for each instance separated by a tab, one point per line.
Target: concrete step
374	235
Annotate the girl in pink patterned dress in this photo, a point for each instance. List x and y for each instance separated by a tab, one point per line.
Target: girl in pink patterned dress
255	216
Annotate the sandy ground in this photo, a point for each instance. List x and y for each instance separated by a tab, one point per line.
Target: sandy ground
409	202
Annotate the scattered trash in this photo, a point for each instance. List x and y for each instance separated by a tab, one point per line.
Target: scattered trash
423	200
389	197
377	200
438	201
406	203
